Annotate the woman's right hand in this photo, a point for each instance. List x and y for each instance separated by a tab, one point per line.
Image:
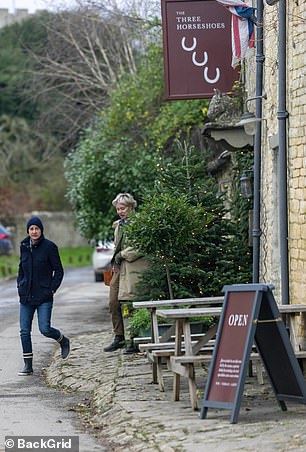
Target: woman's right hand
116	268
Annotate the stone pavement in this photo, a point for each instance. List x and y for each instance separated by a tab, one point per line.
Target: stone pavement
127	412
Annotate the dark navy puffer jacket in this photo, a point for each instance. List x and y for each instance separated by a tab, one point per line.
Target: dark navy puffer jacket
40	271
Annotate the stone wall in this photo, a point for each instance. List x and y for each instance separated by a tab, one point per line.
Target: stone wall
270	253
58	227
296	139
297	148
296	107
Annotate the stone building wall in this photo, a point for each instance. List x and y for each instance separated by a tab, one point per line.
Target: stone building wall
296	152
270	253
297	147
296	133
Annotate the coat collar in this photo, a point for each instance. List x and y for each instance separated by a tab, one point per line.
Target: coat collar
27	242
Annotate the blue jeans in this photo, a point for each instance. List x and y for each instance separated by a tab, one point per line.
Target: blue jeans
44	312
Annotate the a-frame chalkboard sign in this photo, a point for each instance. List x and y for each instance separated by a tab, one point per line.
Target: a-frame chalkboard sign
249	315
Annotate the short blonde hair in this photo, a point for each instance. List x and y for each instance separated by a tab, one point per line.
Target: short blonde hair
126	199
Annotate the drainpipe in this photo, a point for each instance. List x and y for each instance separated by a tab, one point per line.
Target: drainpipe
282	116
260	58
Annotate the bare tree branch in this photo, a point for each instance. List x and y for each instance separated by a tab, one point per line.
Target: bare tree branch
86	52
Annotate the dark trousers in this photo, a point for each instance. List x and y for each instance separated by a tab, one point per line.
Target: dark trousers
44	312
114	305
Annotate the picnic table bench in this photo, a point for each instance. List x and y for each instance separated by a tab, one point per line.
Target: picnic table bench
152	306
289	313
159	351
183	364
181	317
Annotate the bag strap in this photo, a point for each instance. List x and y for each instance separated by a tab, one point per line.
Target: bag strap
118	246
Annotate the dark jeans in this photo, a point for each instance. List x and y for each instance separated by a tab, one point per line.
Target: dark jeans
44	312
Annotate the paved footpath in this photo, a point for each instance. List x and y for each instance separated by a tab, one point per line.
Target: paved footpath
126	412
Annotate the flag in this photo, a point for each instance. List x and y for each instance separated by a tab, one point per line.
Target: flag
243	18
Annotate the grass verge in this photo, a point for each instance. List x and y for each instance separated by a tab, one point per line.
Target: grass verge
71	257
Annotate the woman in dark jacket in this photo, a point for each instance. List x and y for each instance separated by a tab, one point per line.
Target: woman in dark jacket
39	276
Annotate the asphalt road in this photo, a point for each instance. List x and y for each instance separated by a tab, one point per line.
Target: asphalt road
28	406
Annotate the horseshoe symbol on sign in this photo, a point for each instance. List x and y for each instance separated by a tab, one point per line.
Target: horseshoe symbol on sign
197	63
189	49
210	80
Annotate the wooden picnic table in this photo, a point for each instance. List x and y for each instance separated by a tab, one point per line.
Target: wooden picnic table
184	366
182	317
153	305
185	314
289	313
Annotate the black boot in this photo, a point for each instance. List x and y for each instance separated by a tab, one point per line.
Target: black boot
65	347
131	348
28	369
117	343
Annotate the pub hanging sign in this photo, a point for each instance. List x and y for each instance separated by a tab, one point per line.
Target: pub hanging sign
197	49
